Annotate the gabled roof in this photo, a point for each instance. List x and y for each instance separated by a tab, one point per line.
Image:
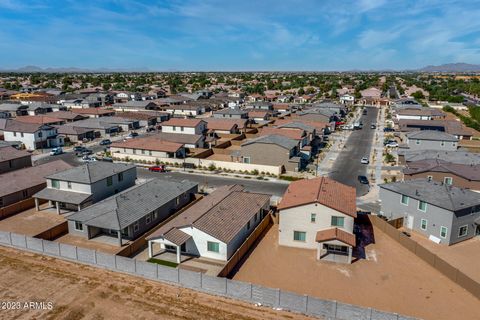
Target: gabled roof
10	153
22	179
149	143
469	172
433	135
91	172
448	156
121	210
93	111
438	194
67	115
221	214
294	134
336	234
39	119
17	126
322	190
179	137
276	139
182	122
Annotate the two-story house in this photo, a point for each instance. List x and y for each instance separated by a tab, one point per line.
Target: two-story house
184	126
33	136
319	214
431	140
132	212
215	227
81	186
443	213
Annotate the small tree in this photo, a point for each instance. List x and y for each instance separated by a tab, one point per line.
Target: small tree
212	167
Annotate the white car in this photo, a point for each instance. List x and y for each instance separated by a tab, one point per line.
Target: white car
392	145
364	160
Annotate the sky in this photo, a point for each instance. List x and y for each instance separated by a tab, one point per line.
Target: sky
241	35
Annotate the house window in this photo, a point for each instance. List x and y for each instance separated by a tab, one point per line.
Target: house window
78	226
109	181
10	164
442	143
299	236
429	178
14	134
1	202
148	219
443	232
423	224
149	152
143	151
25	193
256	216
422	206
69	185
120	176
155	214
174	128
248	225
246	159
417	141
313	217
177	200
21	134
463	231
134	151
136	226
40	134
448	181
405	200
56	184
338	221
213	246
181	128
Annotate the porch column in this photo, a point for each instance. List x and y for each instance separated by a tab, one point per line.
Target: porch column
50	203
150	249
119	235
178	254
350	249
79	207
57	205
37	207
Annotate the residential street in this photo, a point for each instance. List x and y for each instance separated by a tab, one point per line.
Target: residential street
347	166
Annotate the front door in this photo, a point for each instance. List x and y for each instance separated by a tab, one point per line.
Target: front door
477	231
410	222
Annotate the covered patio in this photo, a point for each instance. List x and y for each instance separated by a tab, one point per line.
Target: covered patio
335	245
174	240
66	200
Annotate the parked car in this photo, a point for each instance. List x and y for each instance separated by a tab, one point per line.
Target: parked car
150	129
363	180
339	123
133	135
388	129
81	151
373	126
56	151
78	148
159	168
105	142
364	160
88	159
364	111
393	144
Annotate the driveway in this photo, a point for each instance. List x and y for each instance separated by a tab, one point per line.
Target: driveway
347	166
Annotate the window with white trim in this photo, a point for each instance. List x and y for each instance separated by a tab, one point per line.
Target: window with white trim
404	200
422	206
78	226
423	224
463	231
448	181
443	232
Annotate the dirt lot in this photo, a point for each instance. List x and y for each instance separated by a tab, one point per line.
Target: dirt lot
390	279
89	244
464	256
31	222
82	292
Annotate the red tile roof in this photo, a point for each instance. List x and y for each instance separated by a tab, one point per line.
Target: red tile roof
322	190
39	119
336	234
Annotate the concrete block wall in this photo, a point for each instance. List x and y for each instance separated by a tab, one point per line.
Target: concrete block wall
221	286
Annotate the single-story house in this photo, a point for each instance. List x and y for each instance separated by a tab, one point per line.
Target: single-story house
13	159
148	146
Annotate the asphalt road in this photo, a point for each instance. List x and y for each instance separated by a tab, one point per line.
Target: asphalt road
347	166
205	181
212	181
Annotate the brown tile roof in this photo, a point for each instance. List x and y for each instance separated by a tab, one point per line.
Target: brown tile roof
17	126
322	190
336	234
148	143
182	122
67	115
40	119
258	114
95	111
241	123
289	133
176	236
22	179
221	214
10	153
220	124
466	171
135	115
318	125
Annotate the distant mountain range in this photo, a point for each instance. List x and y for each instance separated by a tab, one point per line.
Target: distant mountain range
452	67
449	67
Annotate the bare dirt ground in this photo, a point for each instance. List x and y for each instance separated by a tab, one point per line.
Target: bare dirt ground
464	255
83	292
31	222
390	279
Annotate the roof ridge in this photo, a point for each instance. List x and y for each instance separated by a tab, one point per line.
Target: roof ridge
319	189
